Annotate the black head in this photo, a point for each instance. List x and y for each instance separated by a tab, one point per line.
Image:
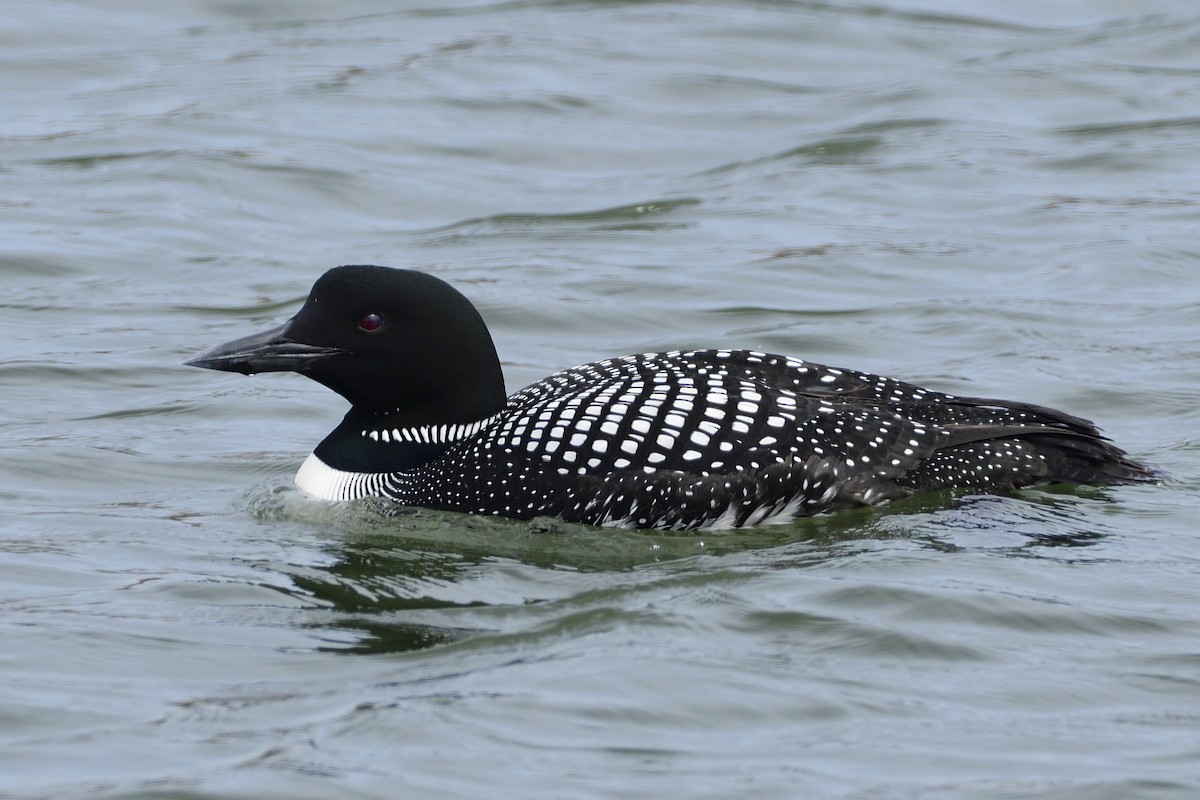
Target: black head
388	340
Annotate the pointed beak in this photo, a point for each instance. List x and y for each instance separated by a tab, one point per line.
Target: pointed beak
269	351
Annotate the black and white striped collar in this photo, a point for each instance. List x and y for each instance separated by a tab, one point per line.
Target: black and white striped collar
430	434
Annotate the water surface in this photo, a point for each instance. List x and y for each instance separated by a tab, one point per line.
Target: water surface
986	200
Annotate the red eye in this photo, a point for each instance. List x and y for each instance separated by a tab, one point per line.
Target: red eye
370	323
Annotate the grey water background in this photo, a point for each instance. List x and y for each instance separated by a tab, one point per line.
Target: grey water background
994	199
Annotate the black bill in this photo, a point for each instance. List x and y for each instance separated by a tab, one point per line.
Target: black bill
269	351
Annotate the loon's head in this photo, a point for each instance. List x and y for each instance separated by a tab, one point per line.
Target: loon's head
388	340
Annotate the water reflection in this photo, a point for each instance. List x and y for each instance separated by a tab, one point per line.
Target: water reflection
382	636
403	579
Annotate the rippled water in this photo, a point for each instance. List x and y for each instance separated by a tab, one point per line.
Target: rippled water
995	200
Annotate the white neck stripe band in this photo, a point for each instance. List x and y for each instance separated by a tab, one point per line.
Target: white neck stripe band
429	434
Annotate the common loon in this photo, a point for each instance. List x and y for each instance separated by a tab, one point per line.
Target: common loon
686	439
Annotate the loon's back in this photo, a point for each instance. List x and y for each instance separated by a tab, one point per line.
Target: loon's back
721	438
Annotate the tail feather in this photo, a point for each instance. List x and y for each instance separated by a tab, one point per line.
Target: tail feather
1086	459
1000	457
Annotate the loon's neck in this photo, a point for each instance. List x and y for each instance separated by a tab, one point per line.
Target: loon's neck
374	443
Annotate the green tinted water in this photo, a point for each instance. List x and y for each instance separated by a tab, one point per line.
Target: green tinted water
994	201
